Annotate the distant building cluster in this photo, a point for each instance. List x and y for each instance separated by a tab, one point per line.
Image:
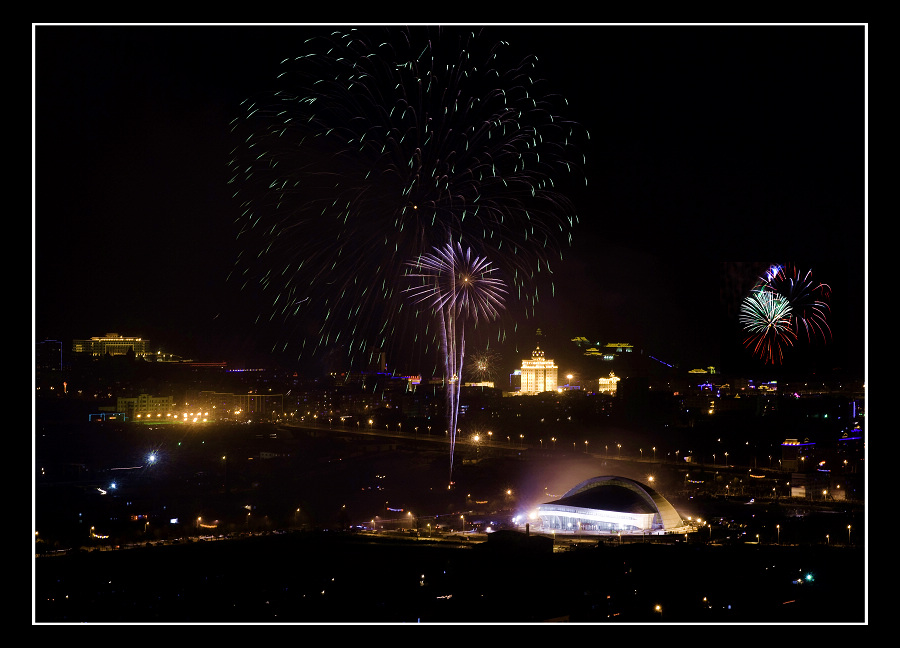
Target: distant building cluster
640	388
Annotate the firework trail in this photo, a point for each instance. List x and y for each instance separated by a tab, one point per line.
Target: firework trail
784	303
377	146
458	287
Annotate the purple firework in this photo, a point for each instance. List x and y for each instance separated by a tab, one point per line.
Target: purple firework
807	297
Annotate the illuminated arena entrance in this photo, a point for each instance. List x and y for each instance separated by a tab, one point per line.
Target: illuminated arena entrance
611	505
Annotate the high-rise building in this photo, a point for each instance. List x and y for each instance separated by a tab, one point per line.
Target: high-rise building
48	365
538	373
49	356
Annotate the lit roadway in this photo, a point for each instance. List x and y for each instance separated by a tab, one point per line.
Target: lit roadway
401	433
510	443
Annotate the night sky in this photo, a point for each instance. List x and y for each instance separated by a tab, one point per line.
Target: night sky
715	151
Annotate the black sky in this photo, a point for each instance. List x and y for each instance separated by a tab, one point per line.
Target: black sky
713	148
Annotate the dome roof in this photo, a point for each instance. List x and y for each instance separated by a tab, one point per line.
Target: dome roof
608	497
611	493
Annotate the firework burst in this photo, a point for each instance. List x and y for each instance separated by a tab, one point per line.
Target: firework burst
766	316
784	303
808	299
458	287
377	146
483	365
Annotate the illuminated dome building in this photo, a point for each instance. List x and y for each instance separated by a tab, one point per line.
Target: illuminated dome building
611	505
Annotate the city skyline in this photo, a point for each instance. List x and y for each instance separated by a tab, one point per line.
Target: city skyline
714	152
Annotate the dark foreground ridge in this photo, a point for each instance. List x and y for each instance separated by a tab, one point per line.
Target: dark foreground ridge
333	577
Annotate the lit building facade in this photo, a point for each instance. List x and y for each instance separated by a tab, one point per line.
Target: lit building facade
608	385
538	374
113	344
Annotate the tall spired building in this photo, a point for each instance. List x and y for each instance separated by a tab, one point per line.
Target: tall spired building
538	374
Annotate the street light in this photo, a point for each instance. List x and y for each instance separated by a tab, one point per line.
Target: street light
778	530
